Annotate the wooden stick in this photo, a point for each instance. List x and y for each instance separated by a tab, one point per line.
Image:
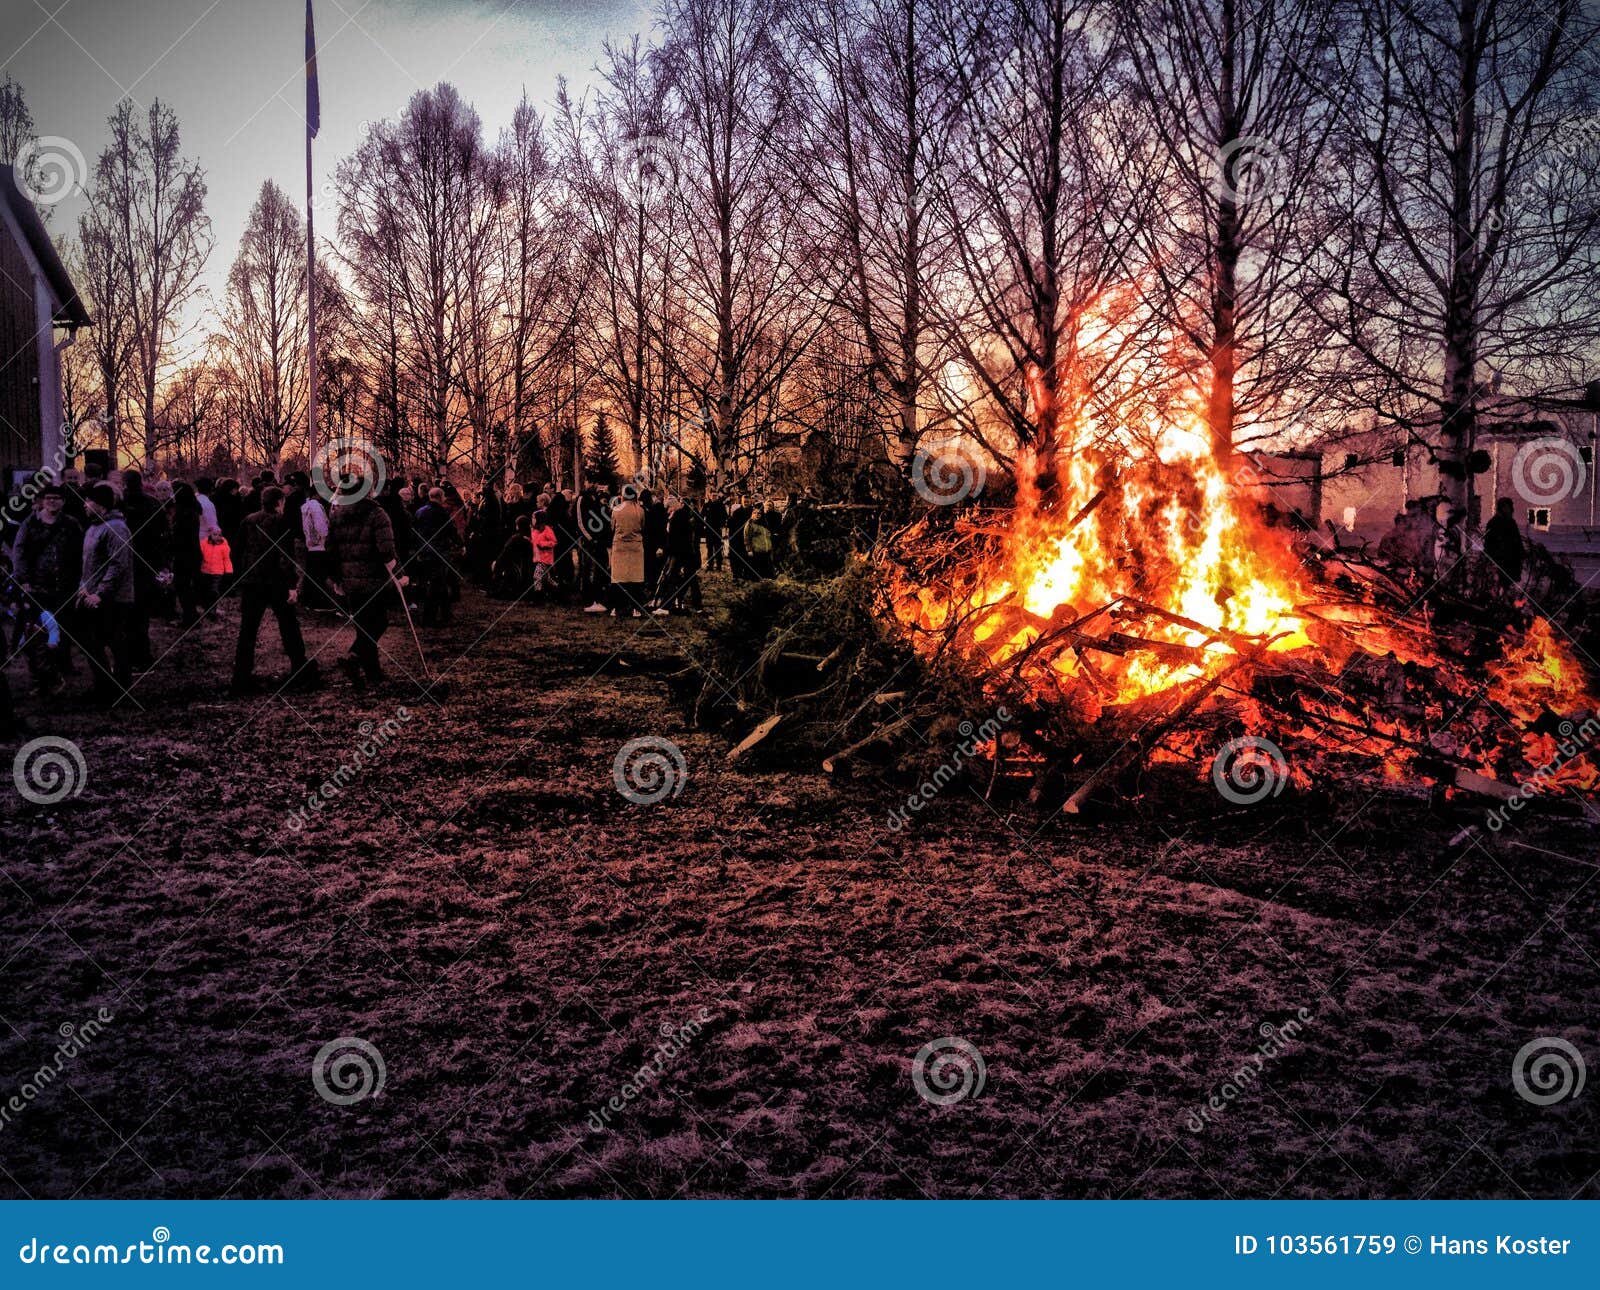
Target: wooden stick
754	737
831	762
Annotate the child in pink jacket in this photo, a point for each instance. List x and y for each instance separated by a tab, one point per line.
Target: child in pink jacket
543	538
216	563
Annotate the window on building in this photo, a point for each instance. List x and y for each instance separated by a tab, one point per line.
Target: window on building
1349	519
1351	460
1587	453
1398	458
1539	517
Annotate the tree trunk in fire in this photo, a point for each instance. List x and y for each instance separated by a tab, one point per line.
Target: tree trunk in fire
1224	323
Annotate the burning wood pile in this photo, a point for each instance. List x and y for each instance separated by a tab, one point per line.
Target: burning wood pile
1151	615
1147	614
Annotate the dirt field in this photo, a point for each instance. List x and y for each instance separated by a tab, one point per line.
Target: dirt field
516	941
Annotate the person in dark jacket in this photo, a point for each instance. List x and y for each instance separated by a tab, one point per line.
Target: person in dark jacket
269	579
106	591
361	550
681	581
47	562
187	520
512	577
594	547
655	539
397	507
147	525
715	515
438	553
738	557
484	535
230	509
558	515
1502	542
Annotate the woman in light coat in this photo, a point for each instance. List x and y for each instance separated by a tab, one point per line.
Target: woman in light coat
627	557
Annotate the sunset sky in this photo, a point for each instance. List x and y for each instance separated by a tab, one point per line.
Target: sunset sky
232	69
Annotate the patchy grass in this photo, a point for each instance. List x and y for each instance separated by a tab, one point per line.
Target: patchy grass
514	937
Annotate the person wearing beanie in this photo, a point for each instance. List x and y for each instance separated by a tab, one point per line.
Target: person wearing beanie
47	562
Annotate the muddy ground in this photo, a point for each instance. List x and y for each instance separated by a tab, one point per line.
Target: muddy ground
516	941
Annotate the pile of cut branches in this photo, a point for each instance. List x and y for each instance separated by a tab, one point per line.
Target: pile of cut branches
1408	682
1400	688
821	674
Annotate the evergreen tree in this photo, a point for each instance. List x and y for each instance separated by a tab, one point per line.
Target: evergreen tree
602	466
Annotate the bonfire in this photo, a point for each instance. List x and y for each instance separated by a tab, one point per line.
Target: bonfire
1146	611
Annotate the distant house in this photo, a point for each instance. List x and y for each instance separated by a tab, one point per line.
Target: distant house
1359	481
40	313
1367	480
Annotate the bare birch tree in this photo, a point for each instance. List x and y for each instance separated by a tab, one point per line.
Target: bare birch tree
148	219
1472	208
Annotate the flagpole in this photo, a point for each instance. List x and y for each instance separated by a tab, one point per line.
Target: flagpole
311	315
313	121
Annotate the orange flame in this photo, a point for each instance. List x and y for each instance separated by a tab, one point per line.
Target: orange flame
1170	531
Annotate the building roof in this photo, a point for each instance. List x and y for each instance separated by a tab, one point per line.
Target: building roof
70	311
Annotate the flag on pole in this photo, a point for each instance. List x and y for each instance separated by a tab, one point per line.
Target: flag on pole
313	97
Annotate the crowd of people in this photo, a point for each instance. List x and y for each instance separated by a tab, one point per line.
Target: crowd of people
89	563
